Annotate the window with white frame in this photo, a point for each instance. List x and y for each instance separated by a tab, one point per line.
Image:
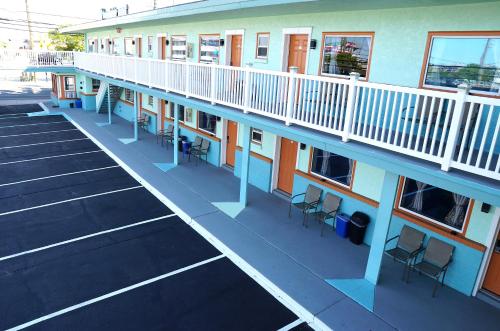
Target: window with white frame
129	95
150	100
257	135
117	46
150	45
454	59
179	48
93	45
207	122
343	54
332	166
95	84
209	48
69	87
435	204
129	46
262	51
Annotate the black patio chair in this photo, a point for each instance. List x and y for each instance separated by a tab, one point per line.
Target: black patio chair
166	135
143	122
409	243
309	203
329	208
434	264
201	151
196	145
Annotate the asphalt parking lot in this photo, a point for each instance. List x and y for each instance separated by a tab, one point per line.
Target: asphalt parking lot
85	246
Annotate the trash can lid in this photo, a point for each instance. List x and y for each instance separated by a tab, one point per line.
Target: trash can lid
360	222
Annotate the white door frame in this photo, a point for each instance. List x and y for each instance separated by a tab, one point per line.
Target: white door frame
286	45
491	240
227	46
223	149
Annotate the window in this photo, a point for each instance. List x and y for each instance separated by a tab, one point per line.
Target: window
343	54
179	47
150	100
93	45
332	166
129	95
207	122
181	112
150	44
262	45
116	46
257	136
95	84
435	204
209	48
69	87
129	47
454	59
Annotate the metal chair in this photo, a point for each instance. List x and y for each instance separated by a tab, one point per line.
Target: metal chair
437	257
328	210
196	145
166	134
201	151
144	122
409	244
310	202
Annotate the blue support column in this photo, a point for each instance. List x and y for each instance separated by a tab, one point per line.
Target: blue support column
136	116
245	163
176	134
384	214
109	105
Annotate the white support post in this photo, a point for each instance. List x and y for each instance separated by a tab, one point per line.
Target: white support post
291	95
188	80
213	83
351	99
248	89
454	131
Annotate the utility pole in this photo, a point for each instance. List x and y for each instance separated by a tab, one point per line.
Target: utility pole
28	18
154	4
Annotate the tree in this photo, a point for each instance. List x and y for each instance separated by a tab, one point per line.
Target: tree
66	42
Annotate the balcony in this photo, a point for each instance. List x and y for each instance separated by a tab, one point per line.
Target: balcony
453	130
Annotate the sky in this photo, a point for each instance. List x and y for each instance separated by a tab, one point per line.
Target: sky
48	13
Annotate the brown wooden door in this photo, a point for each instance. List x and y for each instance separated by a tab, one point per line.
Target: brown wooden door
288	158
492	279
138	47
236	50
232	134
297	52
162	114
163	52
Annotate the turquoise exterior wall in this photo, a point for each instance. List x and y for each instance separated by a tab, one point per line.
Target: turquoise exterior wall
124	110
260	172
480	224
213	151
88	102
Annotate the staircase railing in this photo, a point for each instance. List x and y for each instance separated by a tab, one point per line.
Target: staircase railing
101	93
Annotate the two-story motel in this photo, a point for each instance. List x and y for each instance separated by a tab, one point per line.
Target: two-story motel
392	106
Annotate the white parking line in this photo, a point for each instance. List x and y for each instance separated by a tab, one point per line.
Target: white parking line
291	325
85	237
34	133
45	123
114	293
10	117
61	175
69	200
50	157
44	143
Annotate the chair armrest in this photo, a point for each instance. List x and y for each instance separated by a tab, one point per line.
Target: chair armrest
416	252
296	195
387	241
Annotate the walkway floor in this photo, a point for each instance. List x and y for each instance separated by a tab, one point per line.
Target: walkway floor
294	258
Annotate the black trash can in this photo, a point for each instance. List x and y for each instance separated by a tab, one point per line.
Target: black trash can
359	223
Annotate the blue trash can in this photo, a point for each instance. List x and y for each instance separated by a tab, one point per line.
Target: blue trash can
78	103
342	222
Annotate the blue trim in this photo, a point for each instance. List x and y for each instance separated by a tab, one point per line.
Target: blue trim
232	209
165	166
54	69
483	189
245	163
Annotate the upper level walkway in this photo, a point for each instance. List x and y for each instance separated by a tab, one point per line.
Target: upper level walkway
453	130
294	258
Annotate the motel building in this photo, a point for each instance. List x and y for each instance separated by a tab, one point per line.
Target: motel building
392	107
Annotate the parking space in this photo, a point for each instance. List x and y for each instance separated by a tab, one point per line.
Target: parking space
86	246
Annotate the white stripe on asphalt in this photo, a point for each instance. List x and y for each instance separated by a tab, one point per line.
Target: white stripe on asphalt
33	133
84	237
44	123
49	157
291	325
69	200
44	143
114	293
10	117
61	175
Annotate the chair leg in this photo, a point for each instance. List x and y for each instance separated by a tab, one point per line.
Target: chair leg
435	287
322	226
304	222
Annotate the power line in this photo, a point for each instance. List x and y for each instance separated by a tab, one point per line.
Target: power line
47	14
7	28
24	21
26	25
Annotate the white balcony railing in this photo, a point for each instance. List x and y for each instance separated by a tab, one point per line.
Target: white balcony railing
454	130
22	59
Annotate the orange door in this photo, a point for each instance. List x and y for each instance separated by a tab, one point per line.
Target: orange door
297	52
492	279
162	114
232	134
138	47
236	50
163	53
288	158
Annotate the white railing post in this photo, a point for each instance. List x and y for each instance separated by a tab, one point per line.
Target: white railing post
166	75
213	83
291	94
248	89
149	72
188	80
349	111
135	69
122	76
456	120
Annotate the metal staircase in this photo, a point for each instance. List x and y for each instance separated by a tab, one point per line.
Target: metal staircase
102	97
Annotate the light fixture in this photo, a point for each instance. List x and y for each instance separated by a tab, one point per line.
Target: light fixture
313	44
118	30
221	42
